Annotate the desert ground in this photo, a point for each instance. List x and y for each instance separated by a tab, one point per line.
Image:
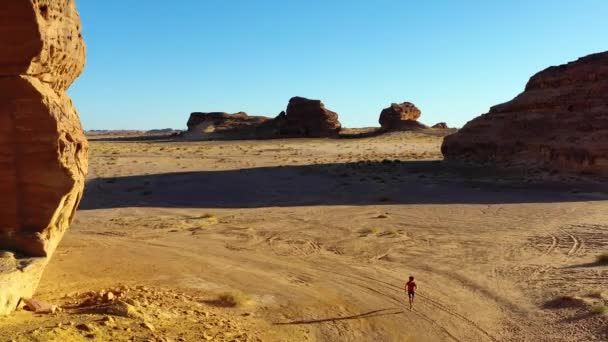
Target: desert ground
313	240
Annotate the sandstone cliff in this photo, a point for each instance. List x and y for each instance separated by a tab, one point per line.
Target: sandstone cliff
43	149
560	122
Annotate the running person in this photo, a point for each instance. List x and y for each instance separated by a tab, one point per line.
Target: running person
411	287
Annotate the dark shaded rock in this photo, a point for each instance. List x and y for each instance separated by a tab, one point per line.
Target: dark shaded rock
441	125
560	122
308	118
217	125
401	117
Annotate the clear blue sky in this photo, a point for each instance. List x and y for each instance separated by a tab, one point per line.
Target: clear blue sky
151	63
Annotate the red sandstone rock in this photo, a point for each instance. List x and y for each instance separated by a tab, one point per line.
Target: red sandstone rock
401	117
219	125
43	150
559	122
308	118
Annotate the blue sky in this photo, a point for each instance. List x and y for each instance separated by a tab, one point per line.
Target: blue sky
151	63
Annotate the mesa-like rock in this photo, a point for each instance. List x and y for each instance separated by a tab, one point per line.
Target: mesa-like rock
303	118
560	122
401	117
43	149
307	118
220	125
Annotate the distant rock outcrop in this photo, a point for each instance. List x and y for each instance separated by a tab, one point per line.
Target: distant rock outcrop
401	117
308	118
441	125
560	122
303	118
162	131
223	125
43	148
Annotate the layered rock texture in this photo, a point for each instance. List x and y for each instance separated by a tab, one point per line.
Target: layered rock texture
560	122
43	150
401	117
219	125
308	118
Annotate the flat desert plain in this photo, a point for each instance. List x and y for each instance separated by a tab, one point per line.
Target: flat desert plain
313	240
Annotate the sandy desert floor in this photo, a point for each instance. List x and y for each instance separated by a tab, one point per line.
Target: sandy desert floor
313	239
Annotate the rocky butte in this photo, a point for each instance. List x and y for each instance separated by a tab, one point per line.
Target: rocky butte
308	118
303	118
401	117
559	123
43	150
220	125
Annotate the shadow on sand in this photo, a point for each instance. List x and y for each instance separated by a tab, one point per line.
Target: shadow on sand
375	313
360	183
588	265
137	138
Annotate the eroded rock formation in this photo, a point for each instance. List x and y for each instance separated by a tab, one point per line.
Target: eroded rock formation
219	125
308	118
560	122
43	150
401	117
440	125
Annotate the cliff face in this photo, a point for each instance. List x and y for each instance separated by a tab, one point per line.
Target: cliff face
560	122
43	150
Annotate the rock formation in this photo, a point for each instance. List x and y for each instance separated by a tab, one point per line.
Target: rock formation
401	117
308	118
560	122
441	125
224	126
43	149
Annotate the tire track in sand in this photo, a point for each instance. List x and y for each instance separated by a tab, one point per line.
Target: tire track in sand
432	302
399	302
576	243
441	306
554	244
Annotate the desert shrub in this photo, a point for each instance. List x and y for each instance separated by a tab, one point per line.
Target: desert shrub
602	258
600	309
231	299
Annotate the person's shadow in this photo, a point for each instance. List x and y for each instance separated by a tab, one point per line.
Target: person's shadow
370	314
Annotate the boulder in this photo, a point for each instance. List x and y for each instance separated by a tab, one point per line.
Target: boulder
307	118
43	149
440	125
560	122
401	117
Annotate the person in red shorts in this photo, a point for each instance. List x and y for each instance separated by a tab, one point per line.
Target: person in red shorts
411	287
